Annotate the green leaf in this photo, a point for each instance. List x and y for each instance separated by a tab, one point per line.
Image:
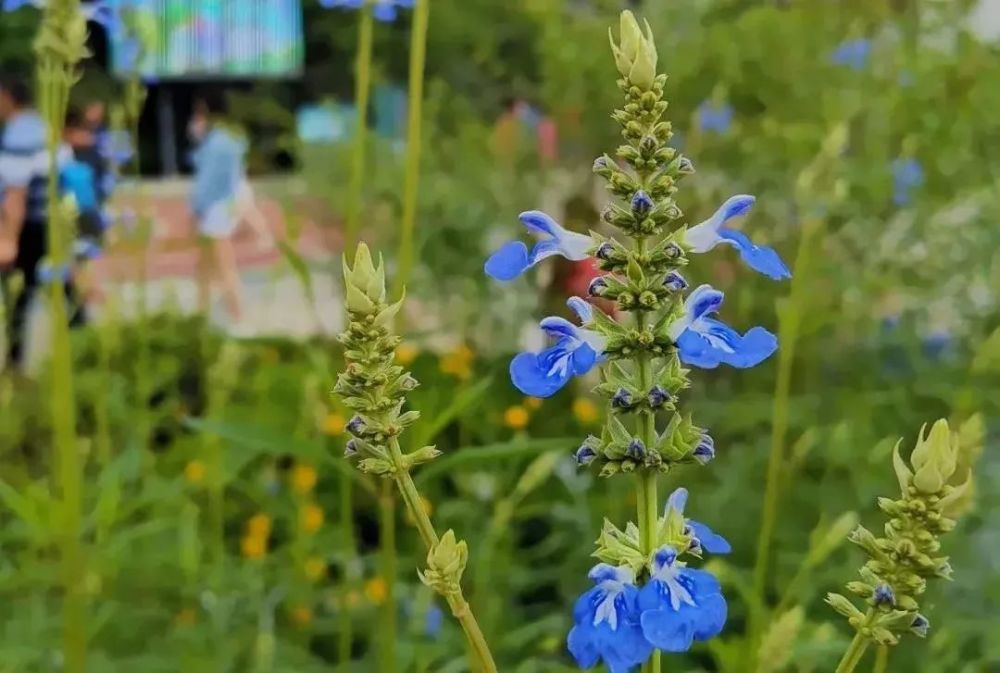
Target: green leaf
299	267
475	456
428	428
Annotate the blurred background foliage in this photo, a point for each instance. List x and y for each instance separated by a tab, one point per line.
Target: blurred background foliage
892	321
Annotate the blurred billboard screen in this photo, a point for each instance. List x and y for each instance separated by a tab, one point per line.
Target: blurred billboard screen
228	39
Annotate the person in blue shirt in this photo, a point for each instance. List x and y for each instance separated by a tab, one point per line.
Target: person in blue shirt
24	174
219	172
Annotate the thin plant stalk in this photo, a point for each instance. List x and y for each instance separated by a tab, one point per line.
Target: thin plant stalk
418	57
855	652
362	93
56	80
345	630
387	544
456	601
881	659
790	320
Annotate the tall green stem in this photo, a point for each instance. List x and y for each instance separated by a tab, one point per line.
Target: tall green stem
790	319
345	630
456	601
853	655
55	79
881	659
362	92
387	544
418	53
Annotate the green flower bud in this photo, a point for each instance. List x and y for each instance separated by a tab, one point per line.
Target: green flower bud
446	563
631	35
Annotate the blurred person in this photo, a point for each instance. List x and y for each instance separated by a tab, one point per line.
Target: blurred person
218	202
24	175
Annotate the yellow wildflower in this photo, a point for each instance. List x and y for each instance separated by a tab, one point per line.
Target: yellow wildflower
311	517
458	363
302	615
352	599
376	590
533	403
406	353
259	525
186	617
585	411
303	478
194	471
314	568
253	546
516	417
333	424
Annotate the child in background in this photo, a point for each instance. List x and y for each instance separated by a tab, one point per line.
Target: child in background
219	201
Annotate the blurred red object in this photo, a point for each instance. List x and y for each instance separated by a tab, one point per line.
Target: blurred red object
578	283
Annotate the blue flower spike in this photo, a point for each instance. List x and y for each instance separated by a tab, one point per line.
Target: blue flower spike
382	10
574	353
679	605
705	342
713	232
513	258
606	622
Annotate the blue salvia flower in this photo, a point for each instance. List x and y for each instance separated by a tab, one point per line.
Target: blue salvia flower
704	537
48	273
705	342
853	54
382	10
574	353
606	622
433	621
713	232
513	258
907	176
715	117
679	605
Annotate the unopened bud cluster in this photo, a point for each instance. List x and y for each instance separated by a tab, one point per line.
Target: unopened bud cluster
372	384
446	563
62	35
901	562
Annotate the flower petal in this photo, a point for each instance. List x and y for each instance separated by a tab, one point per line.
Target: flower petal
711	617
711	343
534	374
509	262
677	500
384	10
584	359
705	236
560	328
711	541
760	258
581	308
541	224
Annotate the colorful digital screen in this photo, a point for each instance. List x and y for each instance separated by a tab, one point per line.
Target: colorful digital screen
220	39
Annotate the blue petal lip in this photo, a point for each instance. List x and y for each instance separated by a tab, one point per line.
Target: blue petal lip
509	262
711	541
747	351
540	223
529	374
760	258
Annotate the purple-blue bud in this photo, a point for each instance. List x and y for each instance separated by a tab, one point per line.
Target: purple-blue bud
585	455
622	399
883	595
636	450
351	449
641	203
685	166
675	282
695	546
705	451
657	397
597	287
673	251
604	251
920	625
356	425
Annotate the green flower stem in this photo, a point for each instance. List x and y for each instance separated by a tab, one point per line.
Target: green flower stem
881	659
387	549
790	319
362	91
456	601
855	651
56	79
418	52
345	631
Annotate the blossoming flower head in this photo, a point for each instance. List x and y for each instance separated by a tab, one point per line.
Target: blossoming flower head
708	540
679	604
705	342
606	622
715	117
853	54
574	353
513	258
713	232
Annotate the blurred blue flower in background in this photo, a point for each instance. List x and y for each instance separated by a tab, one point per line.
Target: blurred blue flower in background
710	233
606	622
99	11
679	604
853	54
705	342
383	10
907	176
715	117
574	353
513	258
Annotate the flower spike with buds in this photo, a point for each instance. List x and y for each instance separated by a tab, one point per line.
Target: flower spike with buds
374	387
933	493
646	598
